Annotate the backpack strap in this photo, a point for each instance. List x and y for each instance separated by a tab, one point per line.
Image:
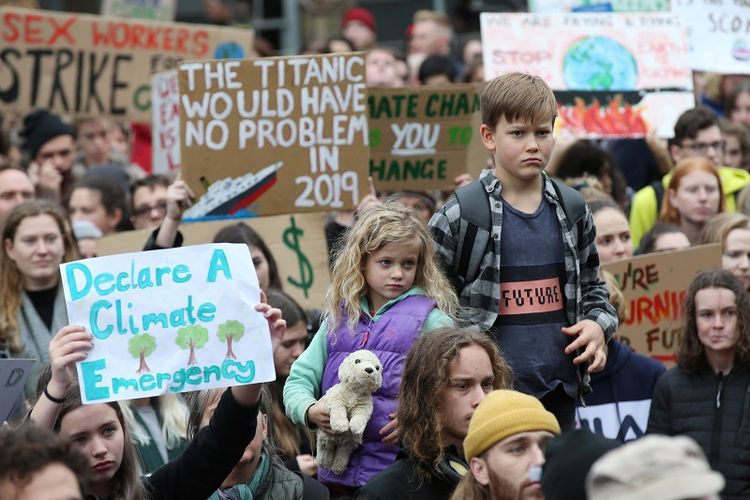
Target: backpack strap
475	227
573	206
658	188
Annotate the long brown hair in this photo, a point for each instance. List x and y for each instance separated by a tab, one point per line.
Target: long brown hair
11	279
683	168
471	489
691	355
126	483
426	376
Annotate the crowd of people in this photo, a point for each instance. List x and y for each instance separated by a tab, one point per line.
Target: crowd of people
503	375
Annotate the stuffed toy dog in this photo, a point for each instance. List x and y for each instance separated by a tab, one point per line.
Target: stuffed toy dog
350	405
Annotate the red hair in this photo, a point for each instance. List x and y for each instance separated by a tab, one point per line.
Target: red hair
683	168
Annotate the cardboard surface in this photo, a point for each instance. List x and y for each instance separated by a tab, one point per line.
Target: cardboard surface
297	242
86	65
422	138
654	287
614	75
165	124
274	135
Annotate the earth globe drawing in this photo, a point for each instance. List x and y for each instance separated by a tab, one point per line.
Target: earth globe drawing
599	63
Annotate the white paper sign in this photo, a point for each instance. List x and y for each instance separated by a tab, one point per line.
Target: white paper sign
718	34
165	110
162	10
172	320
13	376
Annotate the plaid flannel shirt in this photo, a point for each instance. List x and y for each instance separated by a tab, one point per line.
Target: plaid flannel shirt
586	296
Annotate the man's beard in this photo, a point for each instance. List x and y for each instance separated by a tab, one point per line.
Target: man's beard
501	488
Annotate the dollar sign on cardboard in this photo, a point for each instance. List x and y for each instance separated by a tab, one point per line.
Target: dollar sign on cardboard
291	240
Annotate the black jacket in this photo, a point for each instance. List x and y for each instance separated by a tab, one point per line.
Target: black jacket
400	480
210	457
714	410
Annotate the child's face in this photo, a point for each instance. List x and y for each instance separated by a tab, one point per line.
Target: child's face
521	149
389	272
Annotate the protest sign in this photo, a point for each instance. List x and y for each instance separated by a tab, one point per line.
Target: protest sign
718	34
165	122
174	320
158	10
547	6
654	287
13	376
422	138
297	243
85	65
274	135
614	75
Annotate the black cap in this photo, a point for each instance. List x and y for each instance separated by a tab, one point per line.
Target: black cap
40	127
569	459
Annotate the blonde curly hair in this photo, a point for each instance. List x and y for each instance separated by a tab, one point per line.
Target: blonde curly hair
376	227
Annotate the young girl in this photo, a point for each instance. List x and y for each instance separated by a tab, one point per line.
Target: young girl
99	430
386	291
693	196
705	396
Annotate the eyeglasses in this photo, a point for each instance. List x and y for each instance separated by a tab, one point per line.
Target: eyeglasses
143	211
702	147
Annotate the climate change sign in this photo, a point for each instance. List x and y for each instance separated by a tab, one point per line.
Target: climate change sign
172	320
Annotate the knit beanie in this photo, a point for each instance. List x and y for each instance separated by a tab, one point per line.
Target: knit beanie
568	460
502	414
360	14
40	127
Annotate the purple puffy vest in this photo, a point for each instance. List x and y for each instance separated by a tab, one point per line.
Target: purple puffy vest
390	338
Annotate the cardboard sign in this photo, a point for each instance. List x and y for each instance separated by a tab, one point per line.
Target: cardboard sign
165	124
654	287
297	242
157	10
85	65
422	138
718	32
13	376
548	6
274	135
26	4
172	320
614	75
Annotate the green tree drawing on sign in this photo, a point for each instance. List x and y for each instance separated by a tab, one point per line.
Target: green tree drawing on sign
141	346
192	337
230	331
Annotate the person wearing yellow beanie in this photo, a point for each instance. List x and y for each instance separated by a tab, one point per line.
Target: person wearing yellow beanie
505	448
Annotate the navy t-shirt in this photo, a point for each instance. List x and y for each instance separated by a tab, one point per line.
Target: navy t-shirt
532	301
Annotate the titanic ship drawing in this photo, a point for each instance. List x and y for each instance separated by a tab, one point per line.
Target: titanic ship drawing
228	196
